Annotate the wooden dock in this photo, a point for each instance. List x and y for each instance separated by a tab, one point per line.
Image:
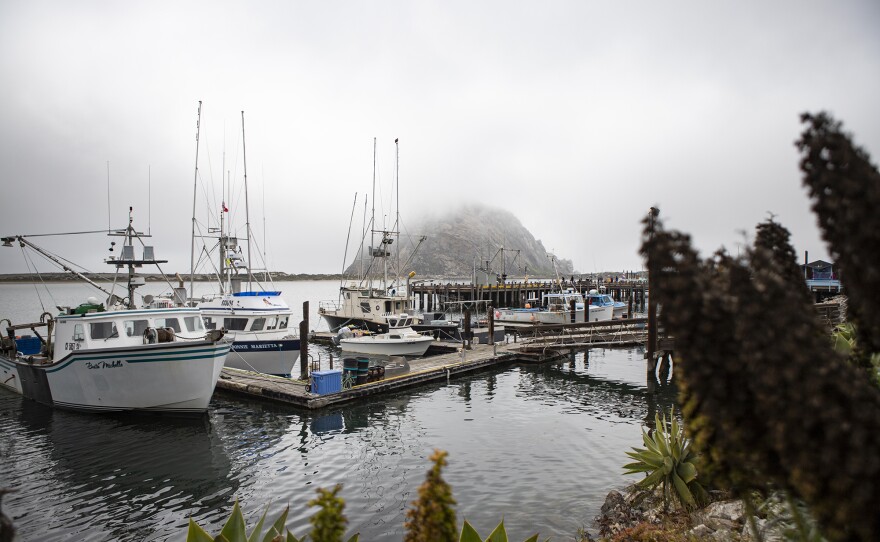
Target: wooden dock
421	371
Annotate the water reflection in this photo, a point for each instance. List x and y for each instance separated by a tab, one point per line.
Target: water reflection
524	442
110	476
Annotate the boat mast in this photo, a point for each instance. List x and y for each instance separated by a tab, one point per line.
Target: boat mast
397	218
247	215
192	252
373	219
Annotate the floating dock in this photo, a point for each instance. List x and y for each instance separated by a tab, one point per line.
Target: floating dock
530	344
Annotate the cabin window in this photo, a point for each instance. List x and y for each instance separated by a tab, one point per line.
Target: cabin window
209	323
168	322
193	323
272	323
365	306
103	330
347	295
259	324
235	324
135	328
283	324
78	333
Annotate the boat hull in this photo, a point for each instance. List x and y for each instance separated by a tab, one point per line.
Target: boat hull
540	316
402	347
276	357
169	377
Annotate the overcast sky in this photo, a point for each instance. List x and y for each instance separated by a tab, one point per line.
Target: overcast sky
575	116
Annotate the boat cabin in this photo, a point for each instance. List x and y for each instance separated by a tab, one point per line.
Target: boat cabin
113	329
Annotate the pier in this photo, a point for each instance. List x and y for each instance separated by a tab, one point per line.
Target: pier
515	294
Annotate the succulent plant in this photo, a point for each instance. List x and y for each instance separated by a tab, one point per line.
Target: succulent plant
669	462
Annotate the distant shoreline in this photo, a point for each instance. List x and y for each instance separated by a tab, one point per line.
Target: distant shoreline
27	278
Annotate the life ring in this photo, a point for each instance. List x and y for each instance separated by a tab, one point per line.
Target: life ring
497	315
377	307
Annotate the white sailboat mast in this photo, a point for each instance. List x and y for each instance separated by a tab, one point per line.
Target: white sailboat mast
373	219
192	253
397	218
246	205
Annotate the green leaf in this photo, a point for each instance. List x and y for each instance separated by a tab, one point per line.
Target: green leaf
499	534
355	537
654	460
684	493
277	528
255	534
469	534
652	480
234	530
687	471
291	538
532	538
633	468
196	534
649	442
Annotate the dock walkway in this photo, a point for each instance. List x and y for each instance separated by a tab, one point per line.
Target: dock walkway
421	371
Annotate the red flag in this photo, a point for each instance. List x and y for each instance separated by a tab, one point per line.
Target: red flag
225	209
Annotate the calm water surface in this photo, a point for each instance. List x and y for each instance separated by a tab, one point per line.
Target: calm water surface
539	446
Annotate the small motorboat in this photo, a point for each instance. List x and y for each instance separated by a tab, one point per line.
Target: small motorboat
399	340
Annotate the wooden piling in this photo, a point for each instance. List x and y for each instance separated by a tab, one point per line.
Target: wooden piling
304	343
491	324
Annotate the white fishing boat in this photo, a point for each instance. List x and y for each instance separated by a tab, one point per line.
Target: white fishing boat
255	317
121	357
399	340
555	308
596	298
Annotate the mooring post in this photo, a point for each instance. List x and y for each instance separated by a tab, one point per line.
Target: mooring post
304	343
573	308
331	362
491	322
468	334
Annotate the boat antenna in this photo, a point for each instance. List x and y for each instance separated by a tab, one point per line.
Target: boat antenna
108	197
266	276
397	196
363	237
373	219
192	252
247	216
149	198
345	255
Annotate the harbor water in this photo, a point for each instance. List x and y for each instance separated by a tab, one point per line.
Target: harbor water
537	445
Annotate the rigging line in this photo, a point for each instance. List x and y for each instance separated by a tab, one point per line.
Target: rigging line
37	290
347	237
211	215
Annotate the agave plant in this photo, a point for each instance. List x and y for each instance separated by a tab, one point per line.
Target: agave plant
499	534
234	530
669	462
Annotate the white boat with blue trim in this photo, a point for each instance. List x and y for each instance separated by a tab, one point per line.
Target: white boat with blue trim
256	319
258	323
619	309
90	358
555	308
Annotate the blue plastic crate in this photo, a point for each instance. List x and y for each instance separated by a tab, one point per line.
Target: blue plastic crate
324	382
28	345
